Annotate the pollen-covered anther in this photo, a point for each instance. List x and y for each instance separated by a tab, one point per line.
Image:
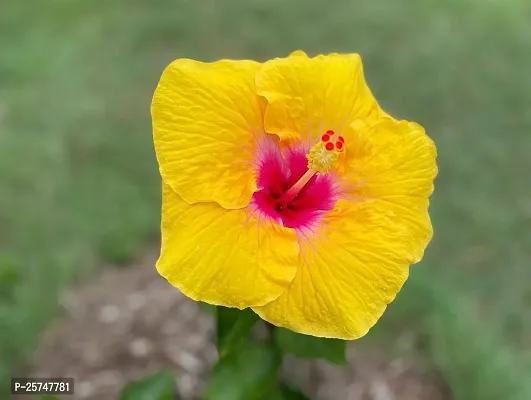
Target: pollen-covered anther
324	155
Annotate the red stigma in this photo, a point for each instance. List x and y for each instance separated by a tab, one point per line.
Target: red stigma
330	132
329	147
339	145
341	139
325	138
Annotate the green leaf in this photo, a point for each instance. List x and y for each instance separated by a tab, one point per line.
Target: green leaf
304	346
159	386
207	308
289	393
233	327
285	392
247	374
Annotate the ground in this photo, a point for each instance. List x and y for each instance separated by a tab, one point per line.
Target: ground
128	322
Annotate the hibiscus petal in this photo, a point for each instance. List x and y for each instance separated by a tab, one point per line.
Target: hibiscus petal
354	263
351	266
224	257
206	118
307	96
389	159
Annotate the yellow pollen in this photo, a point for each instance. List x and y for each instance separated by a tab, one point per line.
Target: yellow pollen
320	159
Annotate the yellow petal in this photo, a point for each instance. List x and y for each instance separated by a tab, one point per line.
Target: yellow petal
355	262
351	266
298	53
224	257
206	117
307	96
392	164
390	159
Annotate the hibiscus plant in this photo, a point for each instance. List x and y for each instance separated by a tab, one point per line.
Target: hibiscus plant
288	196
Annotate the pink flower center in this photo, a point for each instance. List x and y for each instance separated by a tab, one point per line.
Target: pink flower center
286	198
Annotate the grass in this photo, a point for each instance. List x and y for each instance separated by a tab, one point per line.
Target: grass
79	184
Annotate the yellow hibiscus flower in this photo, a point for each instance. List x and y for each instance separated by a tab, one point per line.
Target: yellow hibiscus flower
288	190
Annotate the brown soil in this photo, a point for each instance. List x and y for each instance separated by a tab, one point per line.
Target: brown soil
128	322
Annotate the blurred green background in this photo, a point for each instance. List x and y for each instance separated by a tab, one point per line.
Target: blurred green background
79	186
